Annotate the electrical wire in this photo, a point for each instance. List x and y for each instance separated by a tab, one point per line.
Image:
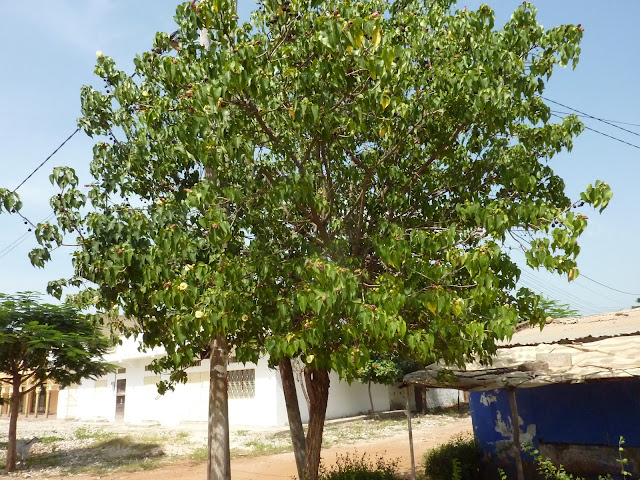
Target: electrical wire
588	116
607	286
47	159
591	116
604	134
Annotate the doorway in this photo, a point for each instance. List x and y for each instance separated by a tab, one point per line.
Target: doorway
121	387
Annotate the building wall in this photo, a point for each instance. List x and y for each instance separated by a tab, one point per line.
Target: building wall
578	425
96	399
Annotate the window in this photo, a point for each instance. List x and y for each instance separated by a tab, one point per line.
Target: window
121	370
241	383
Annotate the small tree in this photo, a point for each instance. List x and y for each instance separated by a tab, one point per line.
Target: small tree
384	370
556	309
41	342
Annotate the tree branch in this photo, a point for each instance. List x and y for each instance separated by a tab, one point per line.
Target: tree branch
431	159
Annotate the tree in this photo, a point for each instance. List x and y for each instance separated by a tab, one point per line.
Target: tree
40	343
366	164
556	309
386	370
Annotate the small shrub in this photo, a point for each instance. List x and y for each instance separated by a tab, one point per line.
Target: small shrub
459	458
352	467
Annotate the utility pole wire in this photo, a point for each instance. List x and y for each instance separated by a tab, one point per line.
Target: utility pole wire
603	134
608	122
47	159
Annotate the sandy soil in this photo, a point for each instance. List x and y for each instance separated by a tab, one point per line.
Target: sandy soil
390	444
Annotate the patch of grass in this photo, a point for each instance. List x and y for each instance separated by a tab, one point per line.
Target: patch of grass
45	460
83	433
50	439
242	433
182	436
119	465
257	448
200	454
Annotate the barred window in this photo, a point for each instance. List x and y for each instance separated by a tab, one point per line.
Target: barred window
241	383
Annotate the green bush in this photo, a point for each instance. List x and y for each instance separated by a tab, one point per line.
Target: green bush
360	468
459	459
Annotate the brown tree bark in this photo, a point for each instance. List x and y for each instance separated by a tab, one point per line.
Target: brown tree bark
373	411
13	423
293	414
218	459
318	388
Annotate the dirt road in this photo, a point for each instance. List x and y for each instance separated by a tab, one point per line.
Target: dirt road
282	466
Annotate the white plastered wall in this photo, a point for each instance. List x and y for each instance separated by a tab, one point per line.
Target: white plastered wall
95	400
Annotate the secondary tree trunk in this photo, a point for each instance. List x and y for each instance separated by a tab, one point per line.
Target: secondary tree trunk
13	424
373	411
318	389
219	460
293	414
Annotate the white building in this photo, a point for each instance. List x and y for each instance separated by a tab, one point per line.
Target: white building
255	394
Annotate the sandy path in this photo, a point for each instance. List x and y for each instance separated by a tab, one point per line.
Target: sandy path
282	466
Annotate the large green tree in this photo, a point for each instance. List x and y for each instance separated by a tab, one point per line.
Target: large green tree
40	342
366	163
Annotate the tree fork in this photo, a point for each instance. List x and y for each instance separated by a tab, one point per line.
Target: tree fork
318	387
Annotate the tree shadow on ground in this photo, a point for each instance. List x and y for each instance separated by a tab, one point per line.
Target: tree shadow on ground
101	456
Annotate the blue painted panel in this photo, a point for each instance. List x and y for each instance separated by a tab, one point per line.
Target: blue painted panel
595	413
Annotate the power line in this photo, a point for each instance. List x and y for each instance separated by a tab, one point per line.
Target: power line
588	116
607	286
591	116
604	134
47	159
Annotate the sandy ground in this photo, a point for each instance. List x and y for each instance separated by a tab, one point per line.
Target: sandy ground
389	444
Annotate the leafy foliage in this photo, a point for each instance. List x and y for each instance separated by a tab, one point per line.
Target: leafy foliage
460	456
40	342
366	164
360	468
556	309
367	160
385	370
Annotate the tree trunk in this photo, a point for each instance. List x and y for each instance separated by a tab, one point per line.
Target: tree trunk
219	460
373	411
293	413
13	424
318	389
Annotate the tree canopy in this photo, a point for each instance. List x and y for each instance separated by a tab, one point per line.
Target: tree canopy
40	342
368	164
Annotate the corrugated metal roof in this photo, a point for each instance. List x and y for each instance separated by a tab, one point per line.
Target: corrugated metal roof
565	351
586	328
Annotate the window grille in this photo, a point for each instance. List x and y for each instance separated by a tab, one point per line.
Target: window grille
241	383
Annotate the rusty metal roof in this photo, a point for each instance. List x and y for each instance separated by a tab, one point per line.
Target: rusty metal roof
572	350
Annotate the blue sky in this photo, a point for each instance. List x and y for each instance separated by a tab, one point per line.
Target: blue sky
50	50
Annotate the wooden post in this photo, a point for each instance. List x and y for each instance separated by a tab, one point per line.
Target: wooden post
515	421
413	460
25	402
36	392
47	402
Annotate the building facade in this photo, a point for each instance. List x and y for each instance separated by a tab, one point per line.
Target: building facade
255	394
